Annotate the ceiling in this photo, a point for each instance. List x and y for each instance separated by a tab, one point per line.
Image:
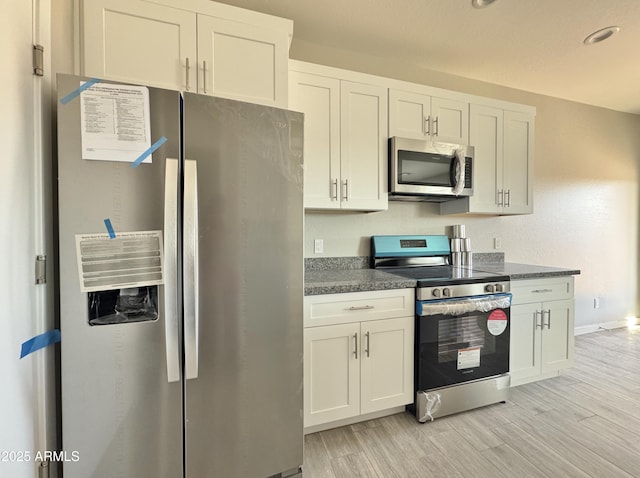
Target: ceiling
525	44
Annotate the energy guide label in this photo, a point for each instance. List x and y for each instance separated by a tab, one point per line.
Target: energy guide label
468	358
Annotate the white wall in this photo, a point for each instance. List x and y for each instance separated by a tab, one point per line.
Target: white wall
587	163
25	425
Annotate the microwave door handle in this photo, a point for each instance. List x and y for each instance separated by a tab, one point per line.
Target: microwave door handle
458	168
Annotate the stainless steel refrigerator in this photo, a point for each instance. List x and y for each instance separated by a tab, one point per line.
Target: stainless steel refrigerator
180	285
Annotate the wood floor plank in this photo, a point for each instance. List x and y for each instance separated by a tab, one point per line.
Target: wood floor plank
353	466
557	436
602	442
317	462
340	442
386	457
507	458
467	460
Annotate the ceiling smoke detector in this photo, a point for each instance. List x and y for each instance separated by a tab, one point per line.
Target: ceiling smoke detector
482	3
601	35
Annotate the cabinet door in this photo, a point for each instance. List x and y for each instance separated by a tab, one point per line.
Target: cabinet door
524	350
363	146
243	62
518	162
486	136
139	42
558	335
386	364
451	120
331	373
409	114
318	97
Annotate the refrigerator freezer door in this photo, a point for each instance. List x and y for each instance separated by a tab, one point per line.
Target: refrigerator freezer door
244	410
119	411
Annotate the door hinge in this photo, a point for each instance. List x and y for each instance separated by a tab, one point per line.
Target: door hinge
38	60
43	469
41	269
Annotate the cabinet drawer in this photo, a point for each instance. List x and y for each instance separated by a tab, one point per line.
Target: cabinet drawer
358	306
540	290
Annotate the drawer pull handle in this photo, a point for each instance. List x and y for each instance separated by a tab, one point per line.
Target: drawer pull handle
361	307
542	291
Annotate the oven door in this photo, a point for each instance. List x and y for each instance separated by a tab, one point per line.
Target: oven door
460	340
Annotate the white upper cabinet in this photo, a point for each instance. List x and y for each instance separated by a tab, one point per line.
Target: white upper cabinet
420	116
363	146
197	46
319	98
518	163
502	164
139	42
345	138
241	61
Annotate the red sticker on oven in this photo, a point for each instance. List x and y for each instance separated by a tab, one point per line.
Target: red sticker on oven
497	322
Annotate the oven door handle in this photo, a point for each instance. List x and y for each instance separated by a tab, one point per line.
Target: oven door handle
484	303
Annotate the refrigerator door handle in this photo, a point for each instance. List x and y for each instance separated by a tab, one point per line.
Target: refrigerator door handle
190	261
171	270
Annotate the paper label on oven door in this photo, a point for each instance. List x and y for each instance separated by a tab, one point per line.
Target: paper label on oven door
468	358
497	322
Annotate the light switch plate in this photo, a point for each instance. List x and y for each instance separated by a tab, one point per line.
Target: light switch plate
318	246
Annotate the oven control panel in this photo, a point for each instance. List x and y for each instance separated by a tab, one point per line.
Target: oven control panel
461	290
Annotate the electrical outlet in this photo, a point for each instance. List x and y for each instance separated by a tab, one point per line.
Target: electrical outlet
318	246
497	243
596	302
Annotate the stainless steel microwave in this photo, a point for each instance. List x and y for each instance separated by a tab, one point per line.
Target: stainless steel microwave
429	170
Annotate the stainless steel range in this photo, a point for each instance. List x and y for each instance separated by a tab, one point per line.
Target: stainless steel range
462	326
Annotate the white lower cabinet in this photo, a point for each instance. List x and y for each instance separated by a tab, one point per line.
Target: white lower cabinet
361	364
542	328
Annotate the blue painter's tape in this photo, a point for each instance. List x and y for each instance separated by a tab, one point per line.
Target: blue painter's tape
86	85
112	233
148	152
39	342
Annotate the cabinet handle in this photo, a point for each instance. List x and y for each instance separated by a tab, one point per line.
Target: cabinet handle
361	307
541	291
507	196
187	68
535	318
346	189
500	198
355	345
204	76
334	189
435	122
548	312
367	349
426	128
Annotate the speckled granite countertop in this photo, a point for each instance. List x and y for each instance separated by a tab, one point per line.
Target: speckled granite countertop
337	281
524	271
349	275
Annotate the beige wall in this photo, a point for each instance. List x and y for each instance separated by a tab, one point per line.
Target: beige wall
587	163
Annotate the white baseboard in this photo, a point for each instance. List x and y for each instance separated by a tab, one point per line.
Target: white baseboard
587	329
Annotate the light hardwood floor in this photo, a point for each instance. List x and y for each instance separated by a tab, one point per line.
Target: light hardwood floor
584	423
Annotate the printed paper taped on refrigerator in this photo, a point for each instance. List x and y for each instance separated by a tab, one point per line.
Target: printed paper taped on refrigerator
116	122
131	259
